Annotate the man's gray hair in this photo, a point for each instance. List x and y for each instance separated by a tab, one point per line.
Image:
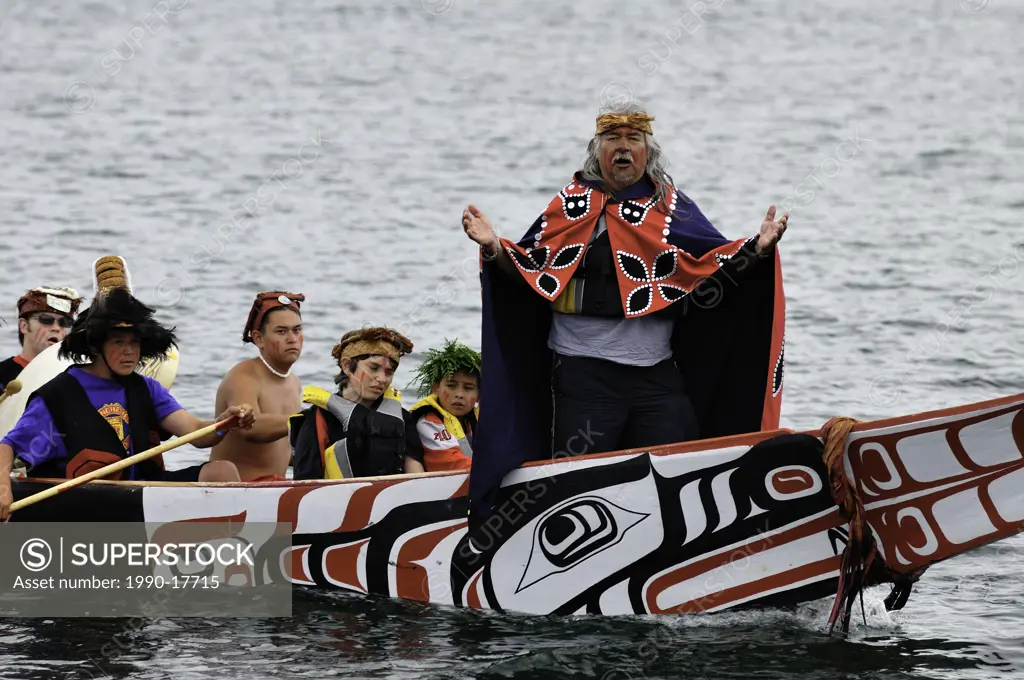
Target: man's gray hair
655	160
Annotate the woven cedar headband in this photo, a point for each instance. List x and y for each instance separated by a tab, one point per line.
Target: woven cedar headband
378	341
637	121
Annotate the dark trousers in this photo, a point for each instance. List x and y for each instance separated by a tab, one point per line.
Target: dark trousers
604	406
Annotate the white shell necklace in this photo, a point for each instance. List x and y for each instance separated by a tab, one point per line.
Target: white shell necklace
270	368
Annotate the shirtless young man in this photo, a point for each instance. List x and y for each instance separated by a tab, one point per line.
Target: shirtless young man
265	382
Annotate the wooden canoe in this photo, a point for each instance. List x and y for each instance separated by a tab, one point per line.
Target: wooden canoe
700	526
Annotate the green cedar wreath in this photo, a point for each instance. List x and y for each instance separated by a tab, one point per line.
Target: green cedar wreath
441	363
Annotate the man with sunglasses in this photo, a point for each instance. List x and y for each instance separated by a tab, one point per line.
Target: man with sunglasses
44	317
266	381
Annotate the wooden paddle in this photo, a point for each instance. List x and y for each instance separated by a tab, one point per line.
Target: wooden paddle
119	465
10	389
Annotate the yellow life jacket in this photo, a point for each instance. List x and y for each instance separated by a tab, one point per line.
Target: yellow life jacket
451	422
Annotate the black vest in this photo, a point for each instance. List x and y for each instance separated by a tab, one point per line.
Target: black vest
9	370
82	427
376	443
600	282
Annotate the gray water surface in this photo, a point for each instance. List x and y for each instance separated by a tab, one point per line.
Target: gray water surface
357	132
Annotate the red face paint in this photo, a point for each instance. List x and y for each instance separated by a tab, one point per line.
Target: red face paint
370	383
121	353
39	337
458	394
281	338
607	154
370	378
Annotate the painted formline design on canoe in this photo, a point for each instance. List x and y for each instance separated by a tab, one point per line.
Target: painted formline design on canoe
673	533
941	487
678	529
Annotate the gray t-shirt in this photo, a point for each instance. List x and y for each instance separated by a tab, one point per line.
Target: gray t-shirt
637	341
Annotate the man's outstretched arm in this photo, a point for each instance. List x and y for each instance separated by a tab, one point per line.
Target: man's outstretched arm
480	230
239	388
181	422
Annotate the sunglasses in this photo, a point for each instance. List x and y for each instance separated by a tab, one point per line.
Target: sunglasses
49	320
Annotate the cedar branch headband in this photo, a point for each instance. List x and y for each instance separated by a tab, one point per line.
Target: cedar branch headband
265	303
637	121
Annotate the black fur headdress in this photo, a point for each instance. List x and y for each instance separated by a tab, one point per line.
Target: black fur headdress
113	310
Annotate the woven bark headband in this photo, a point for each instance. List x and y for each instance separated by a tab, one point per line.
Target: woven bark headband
637	121
265	303
372	341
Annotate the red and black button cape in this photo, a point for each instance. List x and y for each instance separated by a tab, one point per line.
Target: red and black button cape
728	339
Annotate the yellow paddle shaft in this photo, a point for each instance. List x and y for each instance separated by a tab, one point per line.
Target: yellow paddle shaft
119	465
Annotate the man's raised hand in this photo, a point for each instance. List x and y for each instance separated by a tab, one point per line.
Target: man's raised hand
771	230
479	228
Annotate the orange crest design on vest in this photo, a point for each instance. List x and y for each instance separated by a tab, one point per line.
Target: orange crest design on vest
117	416
652	273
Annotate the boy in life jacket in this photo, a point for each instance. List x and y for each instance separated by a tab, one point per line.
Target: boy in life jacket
361	430
95	414
446	417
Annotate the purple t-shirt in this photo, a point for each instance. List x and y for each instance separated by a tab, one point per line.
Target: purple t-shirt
35	439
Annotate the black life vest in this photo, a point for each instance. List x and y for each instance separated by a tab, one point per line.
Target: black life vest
373	444
89	439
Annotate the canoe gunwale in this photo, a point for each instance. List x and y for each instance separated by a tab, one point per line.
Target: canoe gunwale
748	439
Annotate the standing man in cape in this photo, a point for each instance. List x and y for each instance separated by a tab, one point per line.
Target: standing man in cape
267	382
625	304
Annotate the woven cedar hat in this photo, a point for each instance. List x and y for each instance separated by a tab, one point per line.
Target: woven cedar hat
114	307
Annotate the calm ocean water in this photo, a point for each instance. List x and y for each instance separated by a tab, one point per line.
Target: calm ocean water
329	147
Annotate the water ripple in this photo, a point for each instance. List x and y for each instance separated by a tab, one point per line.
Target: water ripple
891	128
